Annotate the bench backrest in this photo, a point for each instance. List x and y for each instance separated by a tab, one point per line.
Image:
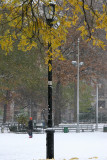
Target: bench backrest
81	126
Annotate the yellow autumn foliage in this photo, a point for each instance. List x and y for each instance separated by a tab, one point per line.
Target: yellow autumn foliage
26	23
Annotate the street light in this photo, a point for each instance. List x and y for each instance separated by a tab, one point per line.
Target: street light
97	86
49	11
78	64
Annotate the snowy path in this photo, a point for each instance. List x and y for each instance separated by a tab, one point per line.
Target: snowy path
67	145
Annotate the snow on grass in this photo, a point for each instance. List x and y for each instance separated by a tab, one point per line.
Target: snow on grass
85	146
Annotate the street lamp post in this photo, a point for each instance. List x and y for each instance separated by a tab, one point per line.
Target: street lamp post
97	86
78	130
78	64
49	11
96	107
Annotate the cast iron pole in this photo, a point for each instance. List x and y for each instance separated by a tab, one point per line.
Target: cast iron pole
50	131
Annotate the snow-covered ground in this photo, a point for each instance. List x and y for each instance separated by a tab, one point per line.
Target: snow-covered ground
85	145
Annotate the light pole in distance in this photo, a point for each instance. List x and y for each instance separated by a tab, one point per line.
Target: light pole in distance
78	64
97	86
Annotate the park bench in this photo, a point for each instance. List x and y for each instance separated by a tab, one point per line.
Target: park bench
88	127
38	128
70	127
64	127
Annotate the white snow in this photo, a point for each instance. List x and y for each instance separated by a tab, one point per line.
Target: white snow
82	145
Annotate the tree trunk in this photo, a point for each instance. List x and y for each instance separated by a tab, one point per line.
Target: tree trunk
6	107
4	113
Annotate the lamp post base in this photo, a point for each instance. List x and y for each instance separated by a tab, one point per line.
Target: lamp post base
96	127
77	130
50	143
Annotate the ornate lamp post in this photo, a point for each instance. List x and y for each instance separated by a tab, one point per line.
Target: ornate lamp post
49	11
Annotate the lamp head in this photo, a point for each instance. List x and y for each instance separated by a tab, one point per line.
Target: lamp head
81	63
49	12
74	62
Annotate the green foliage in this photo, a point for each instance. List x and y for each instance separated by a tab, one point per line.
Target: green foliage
1	112
68	94
24	70
18	67
85	96
23	118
